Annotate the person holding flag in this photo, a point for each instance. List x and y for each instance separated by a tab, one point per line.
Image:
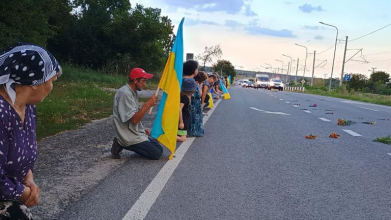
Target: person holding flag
129	131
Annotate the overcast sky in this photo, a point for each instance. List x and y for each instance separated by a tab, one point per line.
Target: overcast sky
252	33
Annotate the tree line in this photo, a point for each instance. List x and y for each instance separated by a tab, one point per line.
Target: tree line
109	35
378	82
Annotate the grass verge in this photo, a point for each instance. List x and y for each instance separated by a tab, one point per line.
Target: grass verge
352	95
77	98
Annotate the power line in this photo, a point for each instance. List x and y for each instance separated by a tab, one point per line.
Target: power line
380	61
326	50
356	38
378	53
370	32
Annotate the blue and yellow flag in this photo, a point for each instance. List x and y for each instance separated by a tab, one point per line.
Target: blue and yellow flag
225	91
165	126
229	81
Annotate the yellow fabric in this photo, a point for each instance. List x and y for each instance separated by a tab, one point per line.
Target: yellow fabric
226	96
210	101
170	85
229	83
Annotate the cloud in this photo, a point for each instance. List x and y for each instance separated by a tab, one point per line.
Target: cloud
307	8
192	22
318	37
255	30
229	6
311	27
233	24
248	11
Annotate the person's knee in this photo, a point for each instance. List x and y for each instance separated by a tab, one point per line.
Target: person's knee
156	156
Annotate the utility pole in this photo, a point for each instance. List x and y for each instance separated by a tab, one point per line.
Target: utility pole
343	63
313	69
288	72
373	69
297	69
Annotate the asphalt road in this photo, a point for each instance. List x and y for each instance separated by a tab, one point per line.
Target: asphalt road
255	163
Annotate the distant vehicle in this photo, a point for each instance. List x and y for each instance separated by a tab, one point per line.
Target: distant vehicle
240	82
275	84
245	82
261	81
249	84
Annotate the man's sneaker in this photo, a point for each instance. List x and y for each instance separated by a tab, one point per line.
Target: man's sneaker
116	148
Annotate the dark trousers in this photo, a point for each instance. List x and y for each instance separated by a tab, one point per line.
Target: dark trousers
14	210
150	149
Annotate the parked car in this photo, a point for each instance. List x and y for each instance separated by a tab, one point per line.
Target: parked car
275	84
250	84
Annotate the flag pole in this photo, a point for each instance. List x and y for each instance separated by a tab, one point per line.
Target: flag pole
156	93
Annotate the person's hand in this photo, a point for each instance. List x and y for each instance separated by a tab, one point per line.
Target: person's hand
25	195
202	105
33	198
147	132
181	125
152	101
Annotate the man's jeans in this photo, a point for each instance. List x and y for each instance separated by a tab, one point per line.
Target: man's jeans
150	149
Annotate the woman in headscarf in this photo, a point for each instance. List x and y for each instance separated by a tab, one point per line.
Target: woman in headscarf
26	76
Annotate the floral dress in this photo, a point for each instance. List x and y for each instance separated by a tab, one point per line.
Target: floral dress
196	127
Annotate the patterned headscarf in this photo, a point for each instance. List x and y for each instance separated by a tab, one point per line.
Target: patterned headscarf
26	64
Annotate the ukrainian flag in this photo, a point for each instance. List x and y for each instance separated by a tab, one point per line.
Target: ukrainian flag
229	81
225	91
165	126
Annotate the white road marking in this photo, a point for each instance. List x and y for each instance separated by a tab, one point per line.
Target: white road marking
324	119
281	99
296	106
356	102
368	109
144	203
287	102
253	108
306	111
389	154
275	113
352	133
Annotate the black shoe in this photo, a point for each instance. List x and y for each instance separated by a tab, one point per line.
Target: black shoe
116	148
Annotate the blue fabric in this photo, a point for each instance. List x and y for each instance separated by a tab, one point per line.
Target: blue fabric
177	48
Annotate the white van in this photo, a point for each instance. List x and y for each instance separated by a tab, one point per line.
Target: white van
261	81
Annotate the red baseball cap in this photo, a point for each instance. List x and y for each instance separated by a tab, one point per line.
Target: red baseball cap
139	73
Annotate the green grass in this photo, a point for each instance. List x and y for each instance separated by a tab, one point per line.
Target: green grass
77	98
384	140
356	96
